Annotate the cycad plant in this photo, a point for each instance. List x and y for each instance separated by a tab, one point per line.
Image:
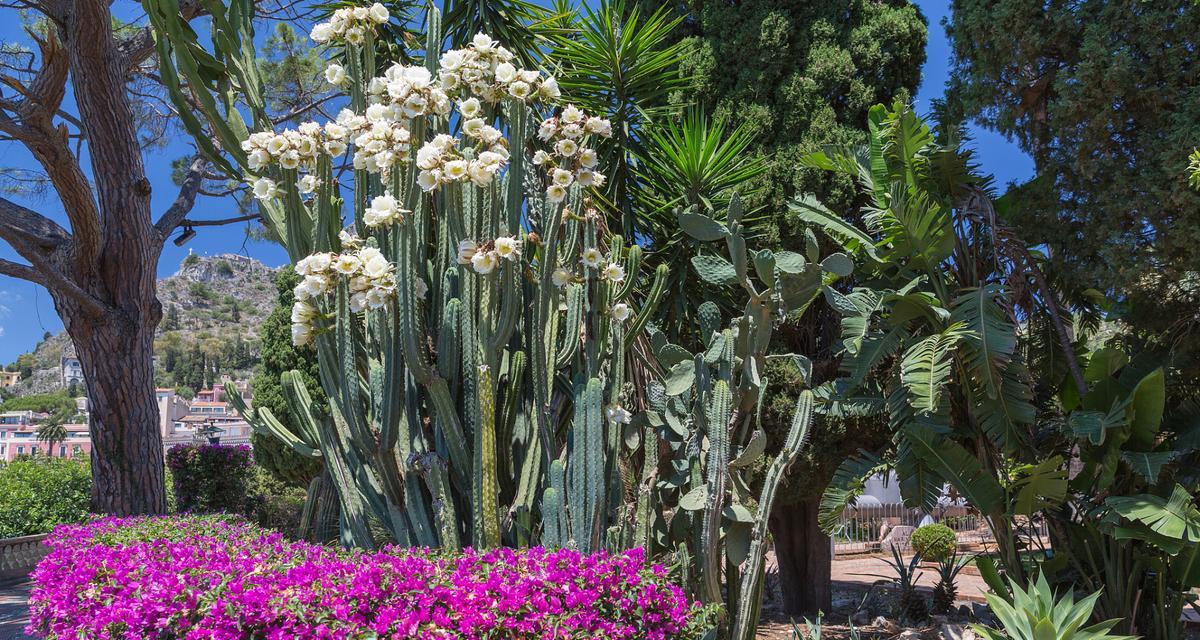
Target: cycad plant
491	370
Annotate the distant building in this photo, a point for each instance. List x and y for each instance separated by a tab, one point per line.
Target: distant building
70	370
9	378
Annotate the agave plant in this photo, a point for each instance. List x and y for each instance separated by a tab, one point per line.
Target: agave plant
1037	614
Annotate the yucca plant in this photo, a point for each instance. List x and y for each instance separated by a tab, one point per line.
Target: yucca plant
1035	613
911	606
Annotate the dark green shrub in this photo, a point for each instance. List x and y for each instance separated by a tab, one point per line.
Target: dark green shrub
278	505
38	493
209	478
934	542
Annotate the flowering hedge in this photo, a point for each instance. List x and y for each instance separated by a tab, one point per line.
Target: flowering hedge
219	577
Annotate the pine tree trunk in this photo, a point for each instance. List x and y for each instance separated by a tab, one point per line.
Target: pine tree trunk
127	451
804	557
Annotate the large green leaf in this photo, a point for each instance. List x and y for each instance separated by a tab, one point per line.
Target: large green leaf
1175	517
927	367
993	338
1039	487
1148	464
846	486
1149	400
808	209
959	467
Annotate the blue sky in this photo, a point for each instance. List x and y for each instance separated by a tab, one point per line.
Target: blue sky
26	310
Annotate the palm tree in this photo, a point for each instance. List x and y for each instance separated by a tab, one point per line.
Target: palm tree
53	431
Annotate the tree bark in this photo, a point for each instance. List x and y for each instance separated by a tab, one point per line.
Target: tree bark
804	556
116	354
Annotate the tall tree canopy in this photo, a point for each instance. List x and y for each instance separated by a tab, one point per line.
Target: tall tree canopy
796	76
802	74
1104	96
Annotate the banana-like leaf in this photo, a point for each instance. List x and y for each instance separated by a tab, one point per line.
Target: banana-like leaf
959	467
1148	464
1043	486
1175	517
810	210
847	485
927	367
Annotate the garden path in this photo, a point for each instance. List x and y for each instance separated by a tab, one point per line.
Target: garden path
14	610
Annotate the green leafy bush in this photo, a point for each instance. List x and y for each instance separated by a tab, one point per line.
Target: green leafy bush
277	504
210	478
934	542
38	493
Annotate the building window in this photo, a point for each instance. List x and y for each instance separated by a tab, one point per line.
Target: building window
62	451
21	450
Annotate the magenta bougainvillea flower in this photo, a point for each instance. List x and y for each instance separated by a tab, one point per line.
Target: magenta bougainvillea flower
222	578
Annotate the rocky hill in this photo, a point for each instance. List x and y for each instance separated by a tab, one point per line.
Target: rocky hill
213	307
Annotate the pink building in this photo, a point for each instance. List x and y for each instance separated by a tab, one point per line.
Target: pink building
18	437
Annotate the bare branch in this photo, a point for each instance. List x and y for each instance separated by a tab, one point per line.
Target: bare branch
28	231
17	270
193	180
221	222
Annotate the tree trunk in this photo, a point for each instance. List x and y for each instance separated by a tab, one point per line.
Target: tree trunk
804	557
116	354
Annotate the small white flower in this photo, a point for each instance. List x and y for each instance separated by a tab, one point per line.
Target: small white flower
301	334
421	288
378	13
470	108
335	74
549	89
592	258
599	126
358	302
620	312
540	157
347	264
376	298
519	90
376	267
456	169
303	312
562	177
428	180
556	193
335	147
588	158
474	127
508	247
466	250
571	114
588	178
348	239
613	272
561	277
505	73
566	147
618	415
290	159
547	130
356	35
482	42
484	262
321	32
264	188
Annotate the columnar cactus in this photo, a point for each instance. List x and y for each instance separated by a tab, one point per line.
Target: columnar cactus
486	345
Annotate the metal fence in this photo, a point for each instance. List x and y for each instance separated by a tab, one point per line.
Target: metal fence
868	529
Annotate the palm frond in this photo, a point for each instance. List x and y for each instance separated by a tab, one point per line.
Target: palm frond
927	366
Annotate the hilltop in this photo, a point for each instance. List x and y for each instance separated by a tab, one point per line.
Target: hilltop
213	307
